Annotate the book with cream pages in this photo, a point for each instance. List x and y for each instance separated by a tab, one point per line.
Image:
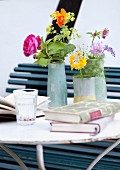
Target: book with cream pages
92	127
83	111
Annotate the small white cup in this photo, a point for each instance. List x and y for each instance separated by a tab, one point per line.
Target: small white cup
26	105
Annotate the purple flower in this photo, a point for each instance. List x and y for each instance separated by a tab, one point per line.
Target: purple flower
109	49
97	49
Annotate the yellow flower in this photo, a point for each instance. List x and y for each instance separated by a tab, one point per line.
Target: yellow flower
77	61
48	30
72	19
82	62
72	58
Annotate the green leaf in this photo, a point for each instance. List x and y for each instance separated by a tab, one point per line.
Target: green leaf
89	33
36	62
54	52
57	58
69	48
41	55
55	46
44	62
43	44
63	53
99	32
48	41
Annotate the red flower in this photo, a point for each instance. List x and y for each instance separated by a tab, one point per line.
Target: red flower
95	34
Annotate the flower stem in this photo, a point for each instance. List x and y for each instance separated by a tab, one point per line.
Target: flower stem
81	75
93	39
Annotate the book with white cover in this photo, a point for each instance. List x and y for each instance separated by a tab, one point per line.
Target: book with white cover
7	107
92	127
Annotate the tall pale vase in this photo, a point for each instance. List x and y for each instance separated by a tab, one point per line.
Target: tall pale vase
95	67
84	89
57	87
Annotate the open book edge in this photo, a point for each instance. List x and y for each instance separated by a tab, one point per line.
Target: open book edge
6	102
9	100
7	107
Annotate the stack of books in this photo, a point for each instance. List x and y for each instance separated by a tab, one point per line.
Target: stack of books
82	117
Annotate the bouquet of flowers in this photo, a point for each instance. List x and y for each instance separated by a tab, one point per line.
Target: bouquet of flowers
57	48
90	61
98	49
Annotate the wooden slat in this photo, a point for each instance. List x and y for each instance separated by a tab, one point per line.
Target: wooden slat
110	74
29	82
113	89
29	65
114	81
112	69
41	92
113	97
36	76
29	76
41	70
31	69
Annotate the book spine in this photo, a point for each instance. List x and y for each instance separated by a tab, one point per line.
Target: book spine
100	112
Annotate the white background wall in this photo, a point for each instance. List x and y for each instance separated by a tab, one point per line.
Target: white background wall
19	18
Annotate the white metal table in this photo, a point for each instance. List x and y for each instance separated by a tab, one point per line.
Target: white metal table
39	134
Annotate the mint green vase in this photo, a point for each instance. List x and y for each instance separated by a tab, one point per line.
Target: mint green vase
57	86
95	67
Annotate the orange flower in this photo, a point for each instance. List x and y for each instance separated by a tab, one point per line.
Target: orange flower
61	17
79	53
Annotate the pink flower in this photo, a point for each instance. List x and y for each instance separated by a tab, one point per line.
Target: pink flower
31	44
105	33
38	40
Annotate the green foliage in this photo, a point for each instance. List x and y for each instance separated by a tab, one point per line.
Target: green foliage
70	48
95	34
94	67
53	51
56	49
